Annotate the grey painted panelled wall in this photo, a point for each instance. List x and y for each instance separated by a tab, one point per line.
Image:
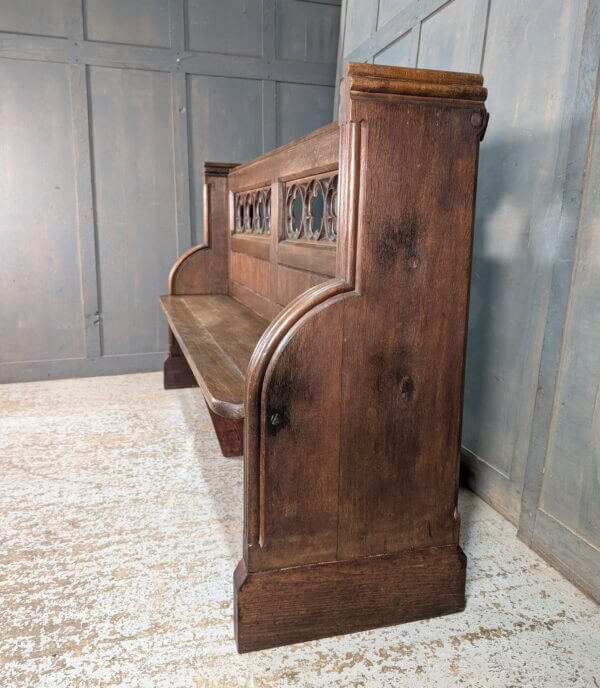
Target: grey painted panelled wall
109	109
531	434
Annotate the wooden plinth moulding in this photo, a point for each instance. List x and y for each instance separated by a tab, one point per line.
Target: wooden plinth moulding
325	318
283	606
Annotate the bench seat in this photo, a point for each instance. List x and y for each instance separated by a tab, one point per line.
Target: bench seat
217	335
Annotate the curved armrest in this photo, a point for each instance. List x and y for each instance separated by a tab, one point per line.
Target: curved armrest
197	272
204	269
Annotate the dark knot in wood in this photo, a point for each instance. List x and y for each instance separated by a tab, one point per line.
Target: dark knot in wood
407	388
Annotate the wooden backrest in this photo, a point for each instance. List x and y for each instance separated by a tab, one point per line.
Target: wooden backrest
283	222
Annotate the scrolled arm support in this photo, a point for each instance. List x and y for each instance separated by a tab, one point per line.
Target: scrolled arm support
204	269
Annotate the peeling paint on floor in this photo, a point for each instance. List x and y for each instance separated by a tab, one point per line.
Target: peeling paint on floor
120	527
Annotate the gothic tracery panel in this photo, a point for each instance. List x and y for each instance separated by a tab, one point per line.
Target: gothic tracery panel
253	212
311	209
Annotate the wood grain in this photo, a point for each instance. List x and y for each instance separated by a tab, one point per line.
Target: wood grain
230	433
203	269
311	154
406	74
412	272
302	603
177	373
313	257
217	336
261	305
417	88
259	247
251	272
291	283
262	286
378	401
299	498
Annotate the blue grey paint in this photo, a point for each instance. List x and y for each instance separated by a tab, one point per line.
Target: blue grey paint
225	124
301	107
132	146
233	27
560	516
135	22
397	53
41	313
531	431
109	109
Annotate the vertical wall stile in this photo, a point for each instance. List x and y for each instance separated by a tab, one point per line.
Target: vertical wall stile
415	42
184	229
269	86
82	153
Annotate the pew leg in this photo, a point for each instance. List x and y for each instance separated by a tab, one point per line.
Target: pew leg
230	433
177	374
300	603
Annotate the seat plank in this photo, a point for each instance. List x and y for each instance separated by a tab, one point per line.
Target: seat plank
217	336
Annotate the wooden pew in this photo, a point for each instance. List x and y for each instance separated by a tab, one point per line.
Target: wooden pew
324	320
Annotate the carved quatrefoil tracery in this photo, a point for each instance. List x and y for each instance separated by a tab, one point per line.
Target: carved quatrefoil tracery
253	212
312	209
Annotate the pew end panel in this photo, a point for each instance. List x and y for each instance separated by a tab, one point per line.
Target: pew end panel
354	397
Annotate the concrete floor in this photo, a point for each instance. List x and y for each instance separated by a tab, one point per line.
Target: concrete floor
120	526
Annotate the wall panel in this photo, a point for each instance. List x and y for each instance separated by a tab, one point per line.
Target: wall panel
446	37
41	314
135	203
561	515
516	225
300	109
307	31
397	53
135	22
38	17
225	125
361	16
233	27
389	9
